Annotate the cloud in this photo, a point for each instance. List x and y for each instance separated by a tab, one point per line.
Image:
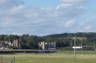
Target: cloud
69	23
23	19
73	1
88	27
7	4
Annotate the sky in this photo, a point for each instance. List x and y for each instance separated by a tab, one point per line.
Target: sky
44	17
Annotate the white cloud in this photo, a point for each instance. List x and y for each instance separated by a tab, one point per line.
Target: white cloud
63	6
7	4
88	27
40	21
6	21
73	1
70	23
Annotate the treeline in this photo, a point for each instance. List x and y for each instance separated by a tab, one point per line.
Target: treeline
62	40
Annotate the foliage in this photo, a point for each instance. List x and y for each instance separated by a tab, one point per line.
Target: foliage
62	40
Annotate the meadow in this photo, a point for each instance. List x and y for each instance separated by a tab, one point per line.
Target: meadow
59	57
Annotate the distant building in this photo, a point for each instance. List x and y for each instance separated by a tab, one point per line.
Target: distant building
47	45
8	44
2	43
15	43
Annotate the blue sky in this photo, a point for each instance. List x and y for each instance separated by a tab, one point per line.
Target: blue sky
43	17
42	3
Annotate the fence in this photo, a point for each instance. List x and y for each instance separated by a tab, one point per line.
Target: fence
6	59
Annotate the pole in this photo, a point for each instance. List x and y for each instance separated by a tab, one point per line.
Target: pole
94	44
74	46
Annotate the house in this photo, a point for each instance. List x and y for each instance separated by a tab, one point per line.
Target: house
47	45
8	44
2	43
15	43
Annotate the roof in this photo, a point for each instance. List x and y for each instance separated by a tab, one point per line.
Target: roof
1	41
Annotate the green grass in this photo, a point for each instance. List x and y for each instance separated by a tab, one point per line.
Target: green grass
77	52
53	58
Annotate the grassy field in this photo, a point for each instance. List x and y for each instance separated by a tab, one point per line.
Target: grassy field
77	52
59	57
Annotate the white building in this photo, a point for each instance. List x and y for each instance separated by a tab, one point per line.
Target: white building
47	45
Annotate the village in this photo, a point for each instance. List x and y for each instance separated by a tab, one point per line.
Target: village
15	44
9	44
